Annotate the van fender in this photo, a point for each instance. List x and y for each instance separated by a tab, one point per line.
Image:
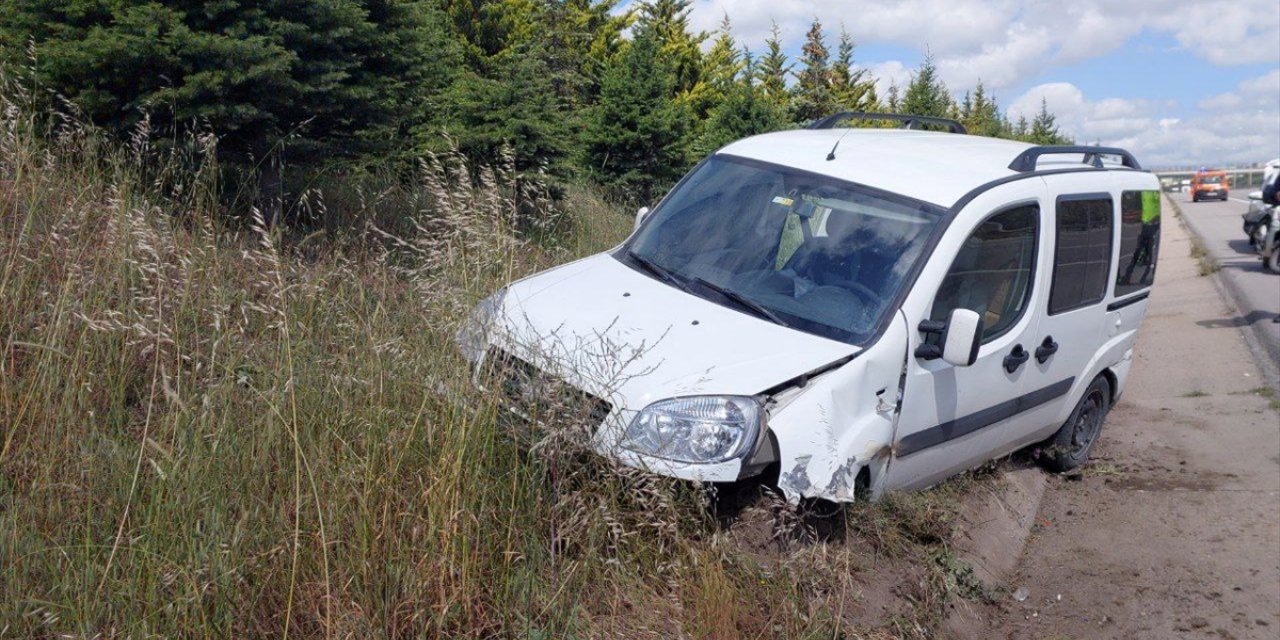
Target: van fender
1115	356
841	423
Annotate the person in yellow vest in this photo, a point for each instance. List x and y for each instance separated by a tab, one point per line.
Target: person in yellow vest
1148	239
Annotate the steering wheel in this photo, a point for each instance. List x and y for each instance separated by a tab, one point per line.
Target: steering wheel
859	289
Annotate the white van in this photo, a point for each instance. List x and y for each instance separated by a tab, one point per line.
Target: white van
853	310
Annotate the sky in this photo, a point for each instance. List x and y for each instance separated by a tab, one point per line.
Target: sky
1177	82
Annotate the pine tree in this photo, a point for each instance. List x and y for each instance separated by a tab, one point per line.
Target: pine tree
480	27
723	62
514	106
720	68
745	111
812	97
1044	128
597	34
981	115
334	77
927	95
893	102
634	139
853	90
773	71
668	22
575	38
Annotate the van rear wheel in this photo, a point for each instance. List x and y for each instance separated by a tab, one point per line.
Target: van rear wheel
1070	447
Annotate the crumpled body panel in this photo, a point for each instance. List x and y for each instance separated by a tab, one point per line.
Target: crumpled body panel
841	423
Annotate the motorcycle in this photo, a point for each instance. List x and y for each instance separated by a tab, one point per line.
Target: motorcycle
1269	248
1262	227
1256	218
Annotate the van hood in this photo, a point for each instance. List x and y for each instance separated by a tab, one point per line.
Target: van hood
617	333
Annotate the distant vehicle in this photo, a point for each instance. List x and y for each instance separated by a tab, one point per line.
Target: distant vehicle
1209	184
845	311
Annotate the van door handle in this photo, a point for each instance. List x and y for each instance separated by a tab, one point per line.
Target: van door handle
1046	350
1016	358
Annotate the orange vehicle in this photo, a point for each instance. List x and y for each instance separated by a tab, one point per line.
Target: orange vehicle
1209	183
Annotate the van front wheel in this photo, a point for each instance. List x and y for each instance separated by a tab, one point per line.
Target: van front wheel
1070	447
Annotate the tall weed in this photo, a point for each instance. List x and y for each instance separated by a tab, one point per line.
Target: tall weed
213	429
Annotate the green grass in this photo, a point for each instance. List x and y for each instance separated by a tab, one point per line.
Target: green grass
1263	392
1206	264
214	429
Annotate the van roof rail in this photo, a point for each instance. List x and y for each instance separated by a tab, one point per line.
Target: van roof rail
908	121
1026	161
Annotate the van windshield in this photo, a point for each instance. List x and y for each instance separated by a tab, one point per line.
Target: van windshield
807	251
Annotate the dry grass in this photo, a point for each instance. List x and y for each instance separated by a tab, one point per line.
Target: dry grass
1206	264
232	431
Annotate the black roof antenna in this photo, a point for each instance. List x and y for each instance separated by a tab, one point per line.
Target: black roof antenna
832	154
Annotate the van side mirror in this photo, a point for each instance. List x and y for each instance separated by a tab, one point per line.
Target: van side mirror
958	338
1255	195
640	215
962	337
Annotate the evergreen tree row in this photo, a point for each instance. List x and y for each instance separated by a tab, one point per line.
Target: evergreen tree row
555	81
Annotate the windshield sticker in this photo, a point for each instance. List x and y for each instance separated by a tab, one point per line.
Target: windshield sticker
784	201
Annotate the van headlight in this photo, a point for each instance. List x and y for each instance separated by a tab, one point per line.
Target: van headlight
699	429
473	338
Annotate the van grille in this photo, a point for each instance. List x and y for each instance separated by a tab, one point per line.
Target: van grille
541	398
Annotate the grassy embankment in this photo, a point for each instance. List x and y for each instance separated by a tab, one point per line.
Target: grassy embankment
218	430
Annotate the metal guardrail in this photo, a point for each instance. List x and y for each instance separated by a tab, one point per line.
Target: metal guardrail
1237	178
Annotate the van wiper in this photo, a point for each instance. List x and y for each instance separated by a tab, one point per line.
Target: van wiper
743	301
658	271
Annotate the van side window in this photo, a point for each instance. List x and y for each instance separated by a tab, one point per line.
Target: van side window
1139	240
993	272
1082	256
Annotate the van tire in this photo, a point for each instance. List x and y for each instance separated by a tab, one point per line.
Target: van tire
1272	260
1070	447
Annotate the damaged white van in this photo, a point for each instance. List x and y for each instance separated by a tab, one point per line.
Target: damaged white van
848	310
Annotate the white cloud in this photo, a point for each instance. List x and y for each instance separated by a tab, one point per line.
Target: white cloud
1007	42
1262	92
1220	102
1239	132
1267	84
1006	62
889	73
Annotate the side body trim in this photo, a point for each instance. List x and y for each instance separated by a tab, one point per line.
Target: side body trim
952	429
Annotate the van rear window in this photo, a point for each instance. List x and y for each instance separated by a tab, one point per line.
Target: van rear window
1082	256
1139	241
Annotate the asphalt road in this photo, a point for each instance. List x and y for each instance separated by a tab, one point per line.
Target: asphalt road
1254	292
